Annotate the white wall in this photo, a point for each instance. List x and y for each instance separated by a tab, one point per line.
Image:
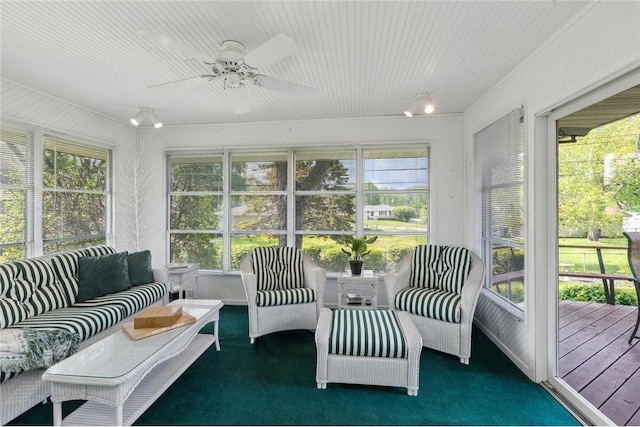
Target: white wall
24	105
597	46
443	133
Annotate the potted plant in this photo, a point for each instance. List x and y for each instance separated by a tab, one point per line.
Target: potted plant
356	248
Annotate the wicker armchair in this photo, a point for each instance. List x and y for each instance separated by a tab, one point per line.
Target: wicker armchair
284	289
439	287
633	255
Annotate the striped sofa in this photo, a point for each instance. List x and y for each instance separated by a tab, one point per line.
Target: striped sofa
39	294
439	287
370	347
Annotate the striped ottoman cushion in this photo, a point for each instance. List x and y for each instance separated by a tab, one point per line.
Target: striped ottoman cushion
84	321
130	301
373	333
430	302
285	296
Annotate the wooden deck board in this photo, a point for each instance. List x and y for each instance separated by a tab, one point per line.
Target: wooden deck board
592	348
624	403
597	322
596	360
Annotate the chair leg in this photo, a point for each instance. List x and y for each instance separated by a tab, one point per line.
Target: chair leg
635	330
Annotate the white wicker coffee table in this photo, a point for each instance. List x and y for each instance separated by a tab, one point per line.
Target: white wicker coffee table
120	378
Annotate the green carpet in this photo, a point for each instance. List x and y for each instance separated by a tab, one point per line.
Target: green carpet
273	383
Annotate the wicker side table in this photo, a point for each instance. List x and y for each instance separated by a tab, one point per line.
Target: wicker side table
366	283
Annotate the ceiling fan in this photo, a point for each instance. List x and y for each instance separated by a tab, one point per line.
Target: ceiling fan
236	68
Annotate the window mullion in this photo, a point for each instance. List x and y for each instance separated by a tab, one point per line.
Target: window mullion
35	246
359	192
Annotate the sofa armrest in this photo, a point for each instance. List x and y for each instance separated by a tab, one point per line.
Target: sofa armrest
398	279
161	275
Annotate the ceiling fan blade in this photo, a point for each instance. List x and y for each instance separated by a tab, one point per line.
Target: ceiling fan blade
272	51
239	99
176	84
285	86
176	45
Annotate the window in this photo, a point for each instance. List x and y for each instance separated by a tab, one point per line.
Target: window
74	196
500	168
396	202
304	198
16	190
196	210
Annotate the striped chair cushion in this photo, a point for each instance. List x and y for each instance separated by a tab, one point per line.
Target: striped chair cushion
425	266
455	266
85	321
430	302
98	250
277	268
285	296
11	312
373	333
441	267
65	265
131	300
8	274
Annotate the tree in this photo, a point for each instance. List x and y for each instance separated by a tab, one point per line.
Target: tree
586	195
403	213
195	211
328	211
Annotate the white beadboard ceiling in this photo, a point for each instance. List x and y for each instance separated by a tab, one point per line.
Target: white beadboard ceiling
367	58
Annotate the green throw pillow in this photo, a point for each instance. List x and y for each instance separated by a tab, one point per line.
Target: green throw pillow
102	275
140	271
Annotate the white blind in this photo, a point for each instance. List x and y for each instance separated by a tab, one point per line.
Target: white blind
16	191
499	159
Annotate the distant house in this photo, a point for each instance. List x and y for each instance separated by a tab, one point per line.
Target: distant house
377	211
631	222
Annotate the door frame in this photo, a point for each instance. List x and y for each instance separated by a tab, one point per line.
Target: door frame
547	251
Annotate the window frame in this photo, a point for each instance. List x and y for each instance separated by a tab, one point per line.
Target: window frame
34	241
515	120
291	193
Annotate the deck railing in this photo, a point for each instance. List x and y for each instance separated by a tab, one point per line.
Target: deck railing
608	279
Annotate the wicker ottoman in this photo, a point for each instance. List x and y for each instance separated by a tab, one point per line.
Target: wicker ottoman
372	347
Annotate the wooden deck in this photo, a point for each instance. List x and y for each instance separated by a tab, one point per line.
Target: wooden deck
596	360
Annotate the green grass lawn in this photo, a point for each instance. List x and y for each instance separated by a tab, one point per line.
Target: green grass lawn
586	259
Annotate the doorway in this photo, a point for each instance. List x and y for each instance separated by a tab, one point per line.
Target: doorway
598	197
